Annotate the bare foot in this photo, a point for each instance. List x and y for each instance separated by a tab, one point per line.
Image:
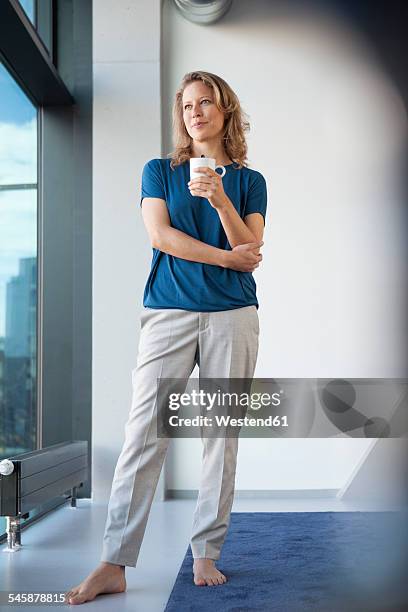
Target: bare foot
205	573
107	578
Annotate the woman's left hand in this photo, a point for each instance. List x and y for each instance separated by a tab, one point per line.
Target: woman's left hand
208	186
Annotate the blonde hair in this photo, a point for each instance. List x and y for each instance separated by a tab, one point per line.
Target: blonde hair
235	125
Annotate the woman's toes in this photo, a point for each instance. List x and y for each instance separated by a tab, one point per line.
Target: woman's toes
77	598
213	579
69	594
66	595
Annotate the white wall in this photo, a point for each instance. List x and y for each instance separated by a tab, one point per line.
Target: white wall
326	131
127	131
331	286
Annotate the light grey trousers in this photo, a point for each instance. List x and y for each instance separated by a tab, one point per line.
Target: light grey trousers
172	341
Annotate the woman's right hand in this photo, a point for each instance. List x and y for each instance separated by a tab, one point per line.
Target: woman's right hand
244	257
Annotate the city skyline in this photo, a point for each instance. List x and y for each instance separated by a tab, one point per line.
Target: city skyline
18	166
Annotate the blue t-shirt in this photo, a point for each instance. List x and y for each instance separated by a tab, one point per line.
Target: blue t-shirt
179	283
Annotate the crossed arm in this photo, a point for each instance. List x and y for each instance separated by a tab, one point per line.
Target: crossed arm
244	236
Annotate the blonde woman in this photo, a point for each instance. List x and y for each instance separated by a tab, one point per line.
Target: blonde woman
200	307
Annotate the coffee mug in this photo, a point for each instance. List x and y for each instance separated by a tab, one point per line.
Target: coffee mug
208	162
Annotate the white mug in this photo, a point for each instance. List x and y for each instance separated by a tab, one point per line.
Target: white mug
208	162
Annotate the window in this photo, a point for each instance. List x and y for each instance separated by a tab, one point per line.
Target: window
29	9
41	16
18	270
45	351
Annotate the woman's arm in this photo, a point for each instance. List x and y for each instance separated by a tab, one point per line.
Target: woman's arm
240	231
179	244
210	186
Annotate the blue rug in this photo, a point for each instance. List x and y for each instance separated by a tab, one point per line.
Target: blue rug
314	561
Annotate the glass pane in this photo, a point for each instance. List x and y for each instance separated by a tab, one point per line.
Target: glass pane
29	8
40	15
18	270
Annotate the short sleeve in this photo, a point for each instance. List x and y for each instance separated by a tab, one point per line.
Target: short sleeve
257	196
152	181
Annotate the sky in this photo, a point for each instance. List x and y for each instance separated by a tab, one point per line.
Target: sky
18	164
28	6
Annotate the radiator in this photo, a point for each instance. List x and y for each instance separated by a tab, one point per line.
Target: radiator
30	479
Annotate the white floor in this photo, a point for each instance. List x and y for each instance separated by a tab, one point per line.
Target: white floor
63	547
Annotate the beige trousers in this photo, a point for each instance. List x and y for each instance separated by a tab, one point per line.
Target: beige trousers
172	341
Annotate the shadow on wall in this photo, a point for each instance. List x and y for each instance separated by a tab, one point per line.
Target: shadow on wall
324	88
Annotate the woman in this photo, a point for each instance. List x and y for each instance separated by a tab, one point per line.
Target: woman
200	306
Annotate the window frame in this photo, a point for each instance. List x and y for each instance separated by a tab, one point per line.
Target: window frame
64	189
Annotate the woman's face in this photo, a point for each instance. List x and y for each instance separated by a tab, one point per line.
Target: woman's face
199	108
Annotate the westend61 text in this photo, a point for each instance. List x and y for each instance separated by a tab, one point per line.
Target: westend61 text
227	421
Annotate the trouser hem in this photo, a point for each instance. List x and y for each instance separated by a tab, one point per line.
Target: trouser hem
115	560
200	552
